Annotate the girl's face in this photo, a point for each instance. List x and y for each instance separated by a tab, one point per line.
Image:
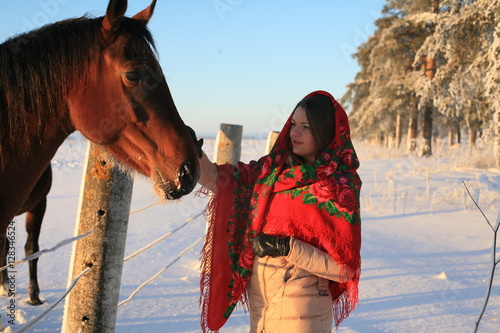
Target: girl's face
302	140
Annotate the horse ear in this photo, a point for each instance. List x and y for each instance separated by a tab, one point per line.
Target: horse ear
114	14
145	15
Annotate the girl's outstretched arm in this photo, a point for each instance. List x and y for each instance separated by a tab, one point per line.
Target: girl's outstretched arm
208	177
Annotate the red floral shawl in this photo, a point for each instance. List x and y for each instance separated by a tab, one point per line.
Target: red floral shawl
328	192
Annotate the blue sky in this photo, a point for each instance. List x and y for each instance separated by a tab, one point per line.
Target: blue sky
245	62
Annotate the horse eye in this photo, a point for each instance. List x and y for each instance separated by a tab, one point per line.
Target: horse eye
133	76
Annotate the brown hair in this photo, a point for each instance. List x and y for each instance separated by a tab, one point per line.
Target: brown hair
320	113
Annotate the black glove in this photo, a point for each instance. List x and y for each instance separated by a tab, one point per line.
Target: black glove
268	245
197	143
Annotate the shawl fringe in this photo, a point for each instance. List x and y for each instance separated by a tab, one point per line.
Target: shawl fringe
218	209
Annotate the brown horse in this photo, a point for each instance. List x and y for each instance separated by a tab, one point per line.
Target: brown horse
34	208
99	76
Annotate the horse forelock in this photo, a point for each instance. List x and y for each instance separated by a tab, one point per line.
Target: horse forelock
37	69
136	28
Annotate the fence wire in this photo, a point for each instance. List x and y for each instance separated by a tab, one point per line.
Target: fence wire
159	272
168	234
53	249
35	320
25	327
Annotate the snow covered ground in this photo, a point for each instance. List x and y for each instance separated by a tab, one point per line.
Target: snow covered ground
426	248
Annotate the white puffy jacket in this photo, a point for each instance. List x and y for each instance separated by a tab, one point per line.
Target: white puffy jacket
291	294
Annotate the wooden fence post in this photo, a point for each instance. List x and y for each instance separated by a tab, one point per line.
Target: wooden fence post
104	203
271	139
228	144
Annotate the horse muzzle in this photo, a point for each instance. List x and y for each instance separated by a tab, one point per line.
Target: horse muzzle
187	179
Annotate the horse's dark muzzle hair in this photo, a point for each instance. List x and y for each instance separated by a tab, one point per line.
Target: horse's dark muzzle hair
188	178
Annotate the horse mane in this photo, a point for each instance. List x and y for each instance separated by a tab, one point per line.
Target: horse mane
36	70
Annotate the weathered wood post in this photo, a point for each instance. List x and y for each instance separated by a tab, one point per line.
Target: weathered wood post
104	203
271	139
228	144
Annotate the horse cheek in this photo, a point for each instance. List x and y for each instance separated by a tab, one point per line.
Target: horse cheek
85	123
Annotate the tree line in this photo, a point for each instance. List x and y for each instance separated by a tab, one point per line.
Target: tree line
430	70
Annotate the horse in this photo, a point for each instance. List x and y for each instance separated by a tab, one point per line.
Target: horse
99	76
34	208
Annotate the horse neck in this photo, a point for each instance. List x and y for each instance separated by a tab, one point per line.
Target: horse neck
36	81
39	152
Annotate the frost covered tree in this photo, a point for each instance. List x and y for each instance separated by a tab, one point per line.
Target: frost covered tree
464	39
382	97
439	58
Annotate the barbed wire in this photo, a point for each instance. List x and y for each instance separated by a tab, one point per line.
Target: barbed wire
76	238
53	249
144	208
39	317
158	240
35	320
159	272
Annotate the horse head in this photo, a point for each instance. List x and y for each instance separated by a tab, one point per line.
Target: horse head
137	120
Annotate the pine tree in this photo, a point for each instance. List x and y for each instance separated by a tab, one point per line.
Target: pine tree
443	54
383	97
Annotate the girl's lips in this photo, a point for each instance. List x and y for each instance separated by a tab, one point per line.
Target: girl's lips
296	143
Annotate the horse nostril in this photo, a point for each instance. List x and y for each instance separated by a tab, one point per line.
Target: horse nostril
187	176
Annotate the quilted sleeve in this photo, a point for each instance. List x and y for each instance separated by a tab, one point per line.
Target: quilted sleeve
315	261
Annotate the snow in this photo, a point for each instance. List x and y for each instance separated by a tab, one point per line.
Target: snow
426	248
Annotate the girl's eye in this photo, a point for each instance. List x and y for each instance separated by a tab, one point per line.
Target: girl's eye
293	124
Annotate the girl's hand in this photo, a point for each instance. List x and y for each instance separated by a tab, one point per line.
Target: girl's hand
269	245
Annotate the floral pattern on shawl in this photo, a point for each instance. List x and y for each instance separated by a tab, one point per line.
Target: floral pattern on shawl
326	185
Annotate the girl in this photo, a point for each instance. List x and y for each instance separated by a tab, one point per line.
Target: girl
284	232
